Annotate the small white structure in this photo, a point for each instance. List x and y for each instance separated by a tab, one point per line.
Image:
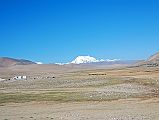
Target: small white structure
1	79
17	77
20	77
24	77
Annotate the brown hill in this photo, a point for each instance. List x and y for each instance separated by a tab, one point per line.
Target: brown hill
154	58
152	61
7	62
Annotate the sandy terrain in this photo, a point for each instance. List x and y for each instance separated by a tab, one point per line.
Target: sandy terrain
105	94
131	109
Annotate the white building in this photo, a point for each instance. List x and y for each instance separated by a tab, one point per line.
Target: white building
20	77
1	79
24	77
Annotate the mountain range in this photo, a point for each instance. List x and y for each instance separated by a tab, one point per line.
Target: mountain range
152	61
87	61
7	62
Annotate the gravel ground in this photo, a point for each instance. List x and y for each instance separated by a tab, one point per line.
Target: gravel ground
130	109
126	94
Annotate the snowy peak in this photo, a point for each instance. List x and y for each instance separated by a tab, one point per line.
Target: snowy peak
84	59
89	59
39	63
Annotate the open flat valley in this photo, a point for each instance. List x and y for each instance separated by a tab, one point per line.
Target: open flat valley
129	93
79	59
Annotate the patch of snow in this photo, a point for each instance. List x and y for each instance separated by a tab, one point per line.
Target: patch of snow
62	63
39	63
113	60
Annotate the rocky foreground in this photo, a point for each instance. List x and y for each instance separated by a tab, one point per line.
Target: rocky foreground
112	94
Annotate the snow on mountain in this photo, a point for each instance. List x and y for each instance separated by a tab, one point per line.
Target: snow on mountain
62	63
39	63
89	59
84	59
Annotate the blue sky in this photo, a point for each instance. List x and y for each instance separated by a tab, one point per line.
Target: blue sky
59	30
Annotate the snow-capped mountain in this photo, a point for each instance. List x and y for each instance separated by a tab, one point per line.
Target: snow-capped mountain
89	59
84	59
93	62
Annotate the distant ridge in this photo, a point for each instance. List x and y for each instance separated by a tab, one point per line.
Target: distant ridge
152	61
154	58
7	62
88	62
91	62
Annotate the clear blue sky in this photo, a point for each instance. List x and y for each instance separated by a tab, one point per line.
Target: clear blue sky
59	30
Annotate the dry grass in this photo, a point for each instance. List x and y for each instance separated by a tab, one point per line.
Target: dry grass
85	85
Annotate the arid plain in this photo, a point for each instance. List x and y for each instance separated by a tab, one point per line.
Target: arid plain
72	93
